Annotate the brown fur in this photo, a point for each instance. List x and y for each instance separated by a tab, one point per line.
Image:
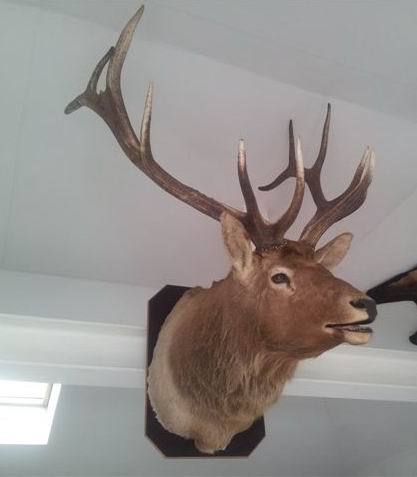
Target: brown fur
226	352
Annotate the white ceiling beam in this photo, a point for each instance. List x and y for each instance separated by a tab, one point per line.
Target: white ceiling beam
88	333
47	296
101	354
351	372
71	352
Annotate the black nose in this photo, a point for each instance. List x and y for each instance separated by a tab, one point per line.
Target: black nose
366	304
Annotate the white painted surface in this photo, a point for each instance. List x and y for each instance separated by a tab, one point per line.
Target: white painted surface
78	208
14	71
46	296
99	432
357	51
111	355
72	206
71	352
400	464
33	295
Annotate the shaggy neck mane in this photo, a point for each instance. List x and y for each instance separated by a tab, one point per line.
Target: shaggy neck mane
233	370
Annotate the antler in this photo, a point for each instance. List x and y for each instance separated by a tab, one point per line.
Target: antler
328	211
402	287
109	105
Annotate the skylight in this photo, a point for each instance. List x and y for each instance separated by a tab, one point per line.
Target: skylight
27	411
24	393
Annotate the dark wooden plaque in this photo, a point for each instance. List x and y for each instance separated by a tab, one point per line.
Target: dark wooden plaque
170	444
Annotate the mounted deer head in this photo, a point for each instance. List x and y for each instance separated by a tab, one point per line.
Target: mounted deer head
225	353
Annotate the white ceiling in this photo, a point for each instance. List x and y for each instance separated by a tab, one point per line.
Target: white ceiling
71	204
358	51
99	432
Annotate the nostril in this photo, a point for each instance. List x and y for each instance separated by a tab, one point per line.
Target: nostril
367	304
361	303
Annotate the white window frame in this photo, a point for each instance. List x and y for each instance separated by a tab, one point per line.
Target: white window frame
30	422
24	393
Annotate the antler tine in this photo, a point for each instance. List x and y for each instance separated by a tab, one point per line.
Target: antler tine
122	46
285	222
254	223
128	138
145	128
295	169
313	173
109	105
328	211
324	140
291	169
86	98
263	233
331	211
246	187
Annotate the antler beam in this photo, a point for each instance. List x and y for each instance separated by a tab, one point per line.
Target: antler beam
109	105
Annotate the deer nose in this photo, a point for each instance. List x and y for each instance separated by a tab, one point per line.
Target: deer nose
367	304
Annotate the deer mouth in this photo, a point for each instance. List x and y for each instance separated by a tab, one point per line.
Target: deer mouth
353	327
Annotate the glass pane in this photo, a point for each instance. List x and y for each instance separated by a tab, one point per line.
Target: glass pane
24	393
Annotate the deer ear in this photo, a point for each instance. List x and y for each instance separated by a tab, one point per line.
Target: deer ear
334	251
238	244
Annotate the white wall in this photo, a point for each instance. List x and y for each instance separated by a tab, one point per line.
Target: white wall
74	206
99	432
402	464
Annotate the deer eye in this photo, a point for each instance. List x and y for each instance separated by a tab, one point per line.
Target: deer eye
279	278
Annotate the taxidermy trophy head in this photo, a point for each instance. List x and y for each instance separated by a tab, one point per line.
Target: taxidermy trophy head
225	353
